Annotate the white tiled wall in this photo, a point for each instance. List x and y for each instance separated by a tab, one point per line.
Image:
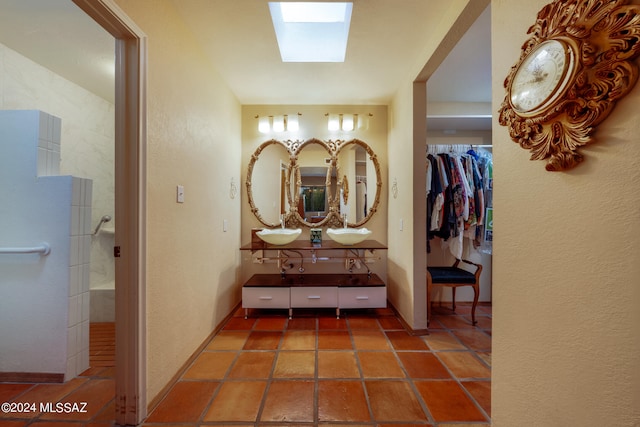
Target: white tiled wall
44	298
49	145
79	269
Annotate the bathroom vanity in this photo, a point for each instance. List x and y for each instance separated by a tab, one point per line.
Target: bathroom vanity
292	290
331	185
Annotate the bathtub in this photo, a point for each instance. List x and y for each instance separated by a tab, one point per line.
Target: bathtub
102	301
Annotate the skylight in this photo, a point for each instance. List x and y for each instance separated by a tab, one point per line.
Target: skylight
311	31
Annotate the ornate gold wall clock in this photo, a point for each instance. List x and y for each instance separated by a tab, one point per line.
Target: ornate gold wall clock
578	62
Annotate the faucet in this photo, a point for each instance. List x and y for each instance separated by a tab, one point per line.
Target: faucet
344	218
282	221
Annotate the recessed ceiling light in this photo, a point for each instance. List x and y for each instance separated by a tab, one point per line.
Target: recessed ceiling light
311	31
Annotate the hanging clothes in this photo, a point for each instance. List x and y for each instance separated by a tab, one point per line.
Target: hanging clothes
457	199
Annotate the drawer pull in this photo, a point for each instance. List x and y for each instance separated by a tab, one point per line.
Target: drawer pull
362	298
265	298
313	297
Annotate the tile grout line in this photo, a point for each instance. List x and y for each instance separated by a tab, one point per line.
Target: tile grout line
270	377
455	377
409	379
362	378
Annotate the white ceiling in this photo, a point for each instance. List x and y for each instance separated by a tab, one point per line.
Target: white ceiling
384	45
59	36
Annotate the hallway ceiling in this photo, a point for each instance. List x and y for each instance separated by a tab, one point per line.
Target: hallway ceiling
385	44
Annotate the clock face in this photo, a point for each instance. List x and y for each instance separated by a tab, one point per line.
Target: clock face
541	77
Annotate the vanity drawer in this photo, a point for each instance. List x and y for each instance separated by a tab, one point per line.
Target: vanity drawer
362	297
314	296
264	297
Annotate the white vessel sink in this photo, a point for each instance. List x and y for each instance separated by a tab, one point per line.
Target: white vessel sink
279	236
348	236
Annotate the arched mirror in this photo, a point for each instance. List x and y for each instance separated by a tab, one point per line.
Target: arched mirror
360	181
269	183
316	183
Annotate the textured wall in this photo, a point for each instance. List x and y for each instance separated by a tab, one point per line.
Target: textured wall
566	324
193	140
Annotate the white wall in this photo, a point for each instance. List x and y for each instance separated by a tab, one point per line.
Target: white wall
566	323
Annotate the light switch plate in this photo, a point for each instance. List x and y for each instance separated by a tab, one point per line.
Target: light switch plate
180	194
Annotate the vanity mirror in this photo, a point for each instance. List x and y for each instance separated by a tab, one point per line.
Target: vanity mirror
269	183
360	184
315	177
313	183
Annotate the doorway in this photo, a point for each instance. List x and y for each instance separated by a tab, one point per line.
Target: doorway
129	160
130	203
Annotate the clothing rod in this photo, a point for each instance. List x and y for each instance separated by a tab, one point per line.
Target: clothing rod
43	249
461	145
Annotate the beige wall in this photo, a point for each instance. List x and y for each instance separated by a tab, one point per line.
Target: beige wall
193	140
566	323
313	124
401	257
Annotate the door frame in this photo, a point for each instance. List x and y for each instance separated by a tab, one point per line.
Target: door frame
130	207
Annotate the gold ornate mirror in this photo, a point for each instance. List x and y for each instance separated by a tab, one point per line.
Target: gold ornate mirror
268	183
315	177
313	183
358	165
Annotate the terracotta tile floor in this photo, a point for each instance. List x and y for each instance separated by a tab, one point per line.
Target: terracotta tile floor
95	386
362	369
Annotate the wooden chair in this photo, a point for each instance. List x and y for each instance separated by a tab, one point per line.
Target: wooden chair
453	277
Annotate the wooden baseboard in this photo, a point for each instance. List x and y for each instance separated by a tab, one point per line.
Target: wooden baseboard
156	400
31	377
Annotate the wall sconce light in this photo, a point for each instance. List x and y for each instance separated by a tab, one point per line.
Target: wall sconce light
264	124
333	123
362	122
292	123
278	124
347	122
284	123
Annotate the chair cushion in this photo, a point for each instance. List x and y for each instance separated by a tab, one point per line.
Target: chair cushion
451	275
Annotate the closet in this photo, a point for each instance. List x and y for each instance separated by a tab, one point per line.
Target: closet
459	190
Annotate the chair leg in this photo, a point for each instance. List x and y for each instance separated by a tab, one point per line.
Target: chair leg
428	304
453	298
476	291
